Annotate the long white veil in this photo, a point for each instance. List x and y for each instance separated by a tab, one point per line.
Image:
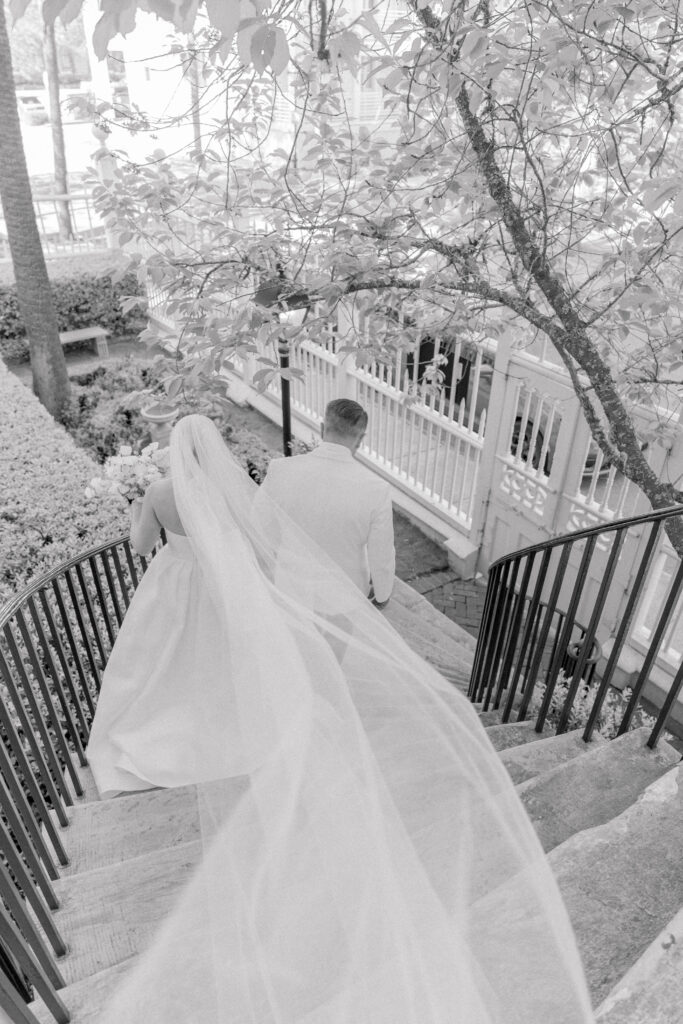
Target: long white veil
372	863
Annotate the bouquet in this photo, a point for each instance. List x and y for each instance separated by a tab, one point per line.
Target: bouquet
128	474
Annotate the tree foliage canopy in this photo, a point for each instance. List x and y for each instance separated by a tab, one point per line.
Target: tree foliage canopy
525	171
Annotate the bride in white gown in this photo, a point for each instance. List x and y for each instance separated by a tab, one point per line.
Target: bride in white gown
373	864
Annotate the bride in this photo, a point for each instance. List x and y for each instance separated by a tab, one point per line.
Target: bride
366	859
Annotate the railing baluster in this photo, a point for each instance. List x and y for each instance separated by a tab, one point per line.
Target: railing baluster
512	649
532	623
12	1004
95	572
570	621
653	649
80	728
26	830
118	611
17	908
131	562
506	637
589	635
42	753
663	715
544	630
87	602
23	775
25	884
31	963
479	654
75	603
498	626
55	725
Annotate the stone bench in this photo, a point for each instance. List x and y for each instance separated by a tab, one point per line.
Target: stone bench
97	334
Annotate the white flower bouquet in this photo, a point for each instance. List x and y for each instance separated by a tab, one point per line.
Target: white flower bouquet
128	474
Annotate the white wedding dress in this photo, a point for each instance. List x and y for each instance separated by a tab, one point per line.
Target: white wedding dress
164	685
374	864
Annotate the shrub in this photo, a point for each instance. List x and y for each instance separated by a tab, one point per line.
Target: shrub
611	713
44	515
79	302
106	414
102	419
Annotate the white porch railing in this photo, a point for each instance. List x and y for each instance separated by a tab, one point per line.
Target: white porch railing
88	233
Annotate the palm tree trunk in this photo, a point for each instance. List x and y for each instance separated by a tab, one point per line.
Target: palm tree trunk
50	379
58	148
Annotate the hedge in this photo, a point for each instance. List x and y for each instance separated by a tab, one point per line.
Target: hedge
44	516
80	302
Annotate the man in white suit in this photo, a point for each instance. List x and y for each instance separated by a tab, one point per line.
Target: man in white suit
339	503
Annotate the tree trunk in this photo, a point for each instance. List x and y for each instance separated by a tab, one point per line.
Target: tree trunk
58	148
50	379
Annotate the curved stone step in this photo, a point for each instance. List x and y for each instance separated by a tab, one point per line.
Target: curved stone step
87	998
445	645
622	882
594	788
513	734
532	759
109	914
109	831
651	991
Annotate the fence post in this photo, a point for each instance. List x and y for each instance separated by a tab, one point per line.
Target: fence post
346	383
495	425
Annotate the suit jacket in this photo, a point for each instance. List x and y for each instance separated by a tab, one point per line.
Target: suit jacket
344	507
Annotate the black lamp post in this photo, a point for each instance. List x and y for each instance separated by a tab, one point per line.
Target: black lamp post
278	295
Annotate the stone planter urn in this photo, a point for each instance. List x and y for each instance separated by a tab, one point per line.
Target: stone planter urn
159	417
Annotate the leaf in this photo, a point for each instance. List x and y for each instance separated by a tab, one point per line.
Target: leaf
280	58
17	8
262	48
105	30
173	388
224	15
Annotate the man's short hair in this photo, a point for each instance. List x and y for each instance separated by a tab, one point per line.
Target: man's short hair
345	418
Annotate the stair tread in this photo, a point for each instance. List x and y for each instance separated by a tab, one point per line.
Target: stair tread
529	760
109	914
108	831
651	991
431	634
87	780
622	880
608	778
87	998
513	734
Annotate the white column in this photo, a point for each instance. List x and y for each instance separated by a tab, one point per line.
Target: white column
99	73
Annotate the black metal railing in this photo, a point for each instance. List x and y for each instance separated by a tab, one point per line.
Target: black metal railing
55	639
530	636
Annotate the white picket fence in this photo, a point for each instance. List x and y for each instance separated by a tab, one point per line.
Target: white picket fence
425	443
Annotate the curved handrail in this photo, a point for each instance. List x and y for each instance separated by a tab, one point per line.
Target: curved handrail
589	531
9	608
529	587
55	639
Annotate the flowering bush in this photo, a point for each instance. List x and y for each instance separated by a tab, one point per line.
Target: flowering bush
102	418
129	474
611	713
44	518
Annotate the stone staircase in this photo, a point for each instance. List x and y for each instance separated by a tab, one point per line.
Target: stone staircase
609	815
